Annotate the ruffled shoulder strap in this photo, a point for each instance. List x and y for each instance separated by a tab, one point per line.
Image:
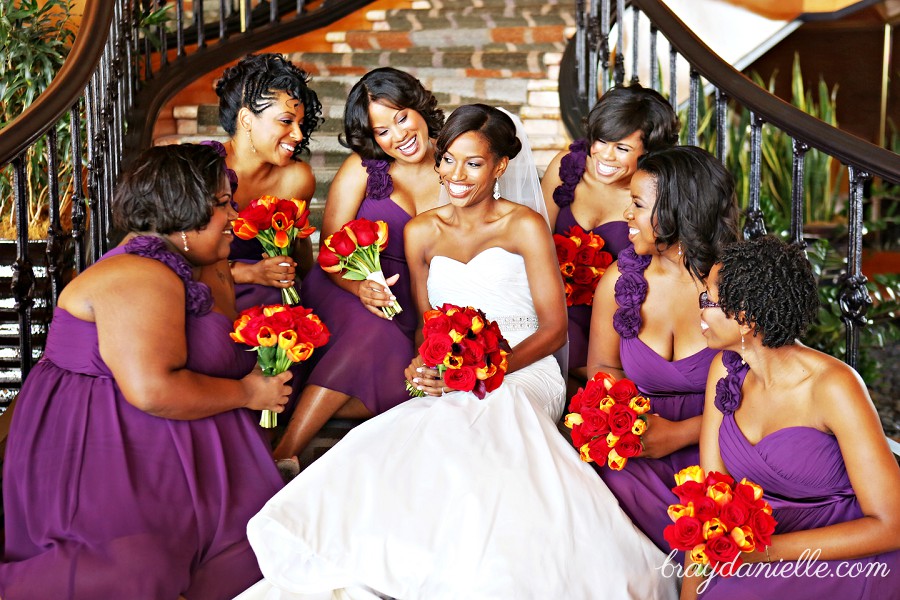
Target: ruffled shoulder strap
728	389
198	298
379	185
631	291
571	168
220	148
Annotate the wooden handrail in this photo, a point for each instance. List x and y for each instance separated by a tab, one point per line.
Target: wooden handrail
68	85
844	146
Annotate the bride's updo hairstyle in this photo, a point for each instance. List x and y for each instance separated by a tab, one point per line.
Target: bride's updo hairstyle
393	88
168	189
495	125
770	286
695	204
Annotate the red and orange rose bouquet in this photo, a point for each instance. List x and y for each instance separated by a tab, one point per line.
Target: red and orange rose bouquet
355	250
281	335
276	223
582	262
607	420
717	519
467	349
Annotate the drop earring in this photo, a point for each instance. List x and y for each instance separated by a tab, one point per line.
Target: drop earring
250	141
680	251
184	241
497	189
743	362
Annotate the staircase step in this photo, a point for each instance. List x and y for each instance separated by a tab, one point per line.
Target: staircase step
462	65
476	6
506	39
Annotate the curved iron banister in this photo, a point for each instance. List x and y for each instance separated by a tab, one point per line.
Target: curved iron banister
182	71
844	146
66	88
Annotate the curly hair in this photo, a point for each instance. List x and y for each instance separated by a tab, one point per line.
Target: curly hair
769	285
393	88
253	83
622	110
495	125
695	204
169	188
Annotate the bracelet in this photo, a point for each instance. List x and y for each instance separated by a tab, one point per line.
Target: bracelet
768	560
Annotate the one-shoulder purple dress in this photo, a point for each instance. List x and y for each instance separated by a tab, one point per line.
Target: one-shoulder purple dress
803	476
367	355
614	233
103	500
676	390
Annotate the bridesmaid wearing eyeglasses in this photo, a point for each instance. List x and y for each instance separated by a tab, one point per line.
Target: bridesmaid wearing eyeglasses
645	323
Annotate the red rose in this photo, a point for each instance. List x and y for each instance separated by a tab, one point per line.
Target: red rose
313	331
598	450
623	390
258	214
585	255
684	534
364	230
461	322
602	260
595	422
705	508
763	525
462	379
582	296
689	490
472	352
621	418
435	348
579	439
490	339
341	243
583	276
565	249
629	445
722	550
438	324
575	404
494	381
734	514
593	394
579	236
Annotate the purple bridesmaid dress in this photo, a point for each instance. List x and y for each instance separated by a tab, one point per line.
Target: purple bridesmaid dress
802	473
676	390
103	500
614	233
367	355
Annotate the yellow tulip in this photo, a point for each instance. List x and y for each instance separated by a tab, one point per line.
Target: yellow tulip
266	337
676	511
287	339
573	419
694	473
743	537
714	528
299	352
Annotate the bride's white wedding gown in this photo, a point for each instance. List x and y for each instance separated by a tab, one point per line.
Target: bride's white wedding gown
456	497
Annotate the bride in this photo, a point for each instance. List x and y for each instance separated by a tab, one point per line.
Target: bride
449	496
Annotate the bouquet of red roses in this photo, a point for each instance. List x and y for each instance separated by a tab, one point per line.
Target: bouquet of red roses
717	519
355	249
606	419
276	223
582	262
281	335
467	349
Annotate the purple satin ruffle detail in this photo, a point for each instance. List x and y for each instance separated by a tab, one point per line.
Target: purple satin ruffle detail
571	168
379	185
198	298
631	290
220	148
728	389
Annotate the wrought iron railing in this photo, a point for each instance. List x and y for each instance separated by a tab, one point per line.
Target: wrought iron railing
596	58
112	85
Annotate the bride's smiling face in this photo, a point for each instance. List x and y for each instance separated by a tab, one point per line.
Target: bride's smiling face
468	169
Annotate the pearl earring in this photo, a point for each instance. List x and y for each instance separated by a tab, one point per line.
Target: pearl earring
184	241
497	188
250	141
680	251
743	362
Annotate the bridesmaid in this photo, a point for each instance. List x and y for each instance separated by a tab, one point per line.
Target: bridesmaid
390	123
133	465
588	184
268	109
645	315
801	424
